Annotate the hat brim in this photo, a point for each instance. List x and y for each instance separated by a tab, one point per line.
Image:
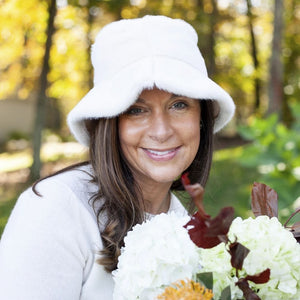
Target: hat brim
114	96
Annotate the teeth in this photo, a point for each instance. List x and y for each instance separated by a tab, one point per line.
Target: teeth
159	152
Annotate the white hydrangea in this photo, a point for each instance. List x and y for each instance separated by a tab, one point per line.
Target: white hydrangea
271	246
156	253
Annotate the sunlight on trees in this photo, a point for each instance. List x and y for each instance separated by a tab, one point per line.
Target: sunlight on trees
224	38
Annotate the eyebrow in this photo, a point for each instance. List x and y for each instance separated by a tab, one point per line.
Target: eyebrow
141	100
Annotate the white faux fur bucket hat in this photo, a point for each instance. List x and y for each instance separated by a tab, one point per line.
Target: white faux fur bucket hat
129	56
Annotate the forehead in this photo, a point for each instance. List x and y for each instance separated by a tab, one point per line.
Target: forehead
155	93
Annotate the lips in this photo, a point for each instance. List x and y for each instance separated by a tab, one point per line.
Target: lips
161	155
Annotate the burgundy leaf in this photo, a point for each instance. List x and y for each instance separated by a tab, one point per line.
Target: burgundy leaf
238	254
296	231
196	191
197	230
262	277
221	223
206	232
185	179
247	292
264	200
297	237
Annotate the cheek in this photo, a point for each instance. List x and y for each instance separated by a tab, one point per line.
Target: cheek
124	135
191	131
129	134
195	139
194	143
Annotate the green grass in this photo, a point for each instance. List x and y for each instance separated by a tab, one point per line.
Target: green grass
5	210
229	185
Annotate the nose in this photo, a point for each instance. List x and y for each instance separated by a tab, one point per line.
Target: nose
160	128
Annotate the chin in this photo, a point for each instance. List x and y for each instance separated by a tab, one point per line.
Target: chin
165	177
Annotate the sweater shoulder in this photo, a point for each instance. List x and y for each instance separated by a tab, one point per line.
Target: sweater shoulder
61	200
71	188
77	181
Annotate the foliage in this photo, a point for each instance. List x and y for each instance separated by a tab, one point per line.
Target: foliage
22	39
229	183
222	26
5	210
275	152
241	238
291	53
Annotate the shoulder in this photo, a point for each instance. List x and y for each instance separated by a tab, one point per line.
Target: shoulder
61	208
76	181
51	232
71	189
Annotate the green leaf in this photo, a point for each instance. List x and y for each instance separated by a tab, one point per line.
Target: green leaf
205	278
226	294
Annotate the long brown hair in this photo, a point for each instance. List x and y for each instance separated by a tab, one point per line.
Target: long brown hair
121	201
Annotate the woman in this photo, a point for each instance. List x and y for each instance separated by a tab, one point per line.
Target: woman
146	121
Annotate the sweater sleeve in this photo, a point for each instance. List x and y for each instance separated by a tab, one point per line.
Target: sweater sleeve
43	250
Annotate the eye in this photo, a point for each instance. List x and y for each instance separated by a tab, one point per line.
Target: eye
134	110
180	105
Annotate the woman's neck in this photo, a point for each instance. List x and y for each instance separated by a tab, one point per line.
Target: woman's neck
156	197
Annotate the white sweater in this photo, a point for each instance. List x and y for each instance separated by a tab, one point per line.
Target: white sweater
50	244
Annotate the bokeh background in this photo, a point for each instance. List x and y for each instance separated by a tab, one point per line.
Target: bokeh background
251	48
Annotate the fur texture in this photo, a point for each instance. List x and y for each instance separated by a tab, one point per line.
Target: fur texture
129	56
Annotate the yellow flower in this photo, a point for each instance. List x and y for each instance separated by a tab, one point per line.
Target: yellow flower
186	290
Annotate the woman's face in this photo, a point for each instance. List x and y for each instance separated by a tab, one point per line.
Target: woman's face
160	135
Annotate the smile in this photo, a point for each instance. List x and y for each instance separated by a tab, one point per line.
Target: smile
161	155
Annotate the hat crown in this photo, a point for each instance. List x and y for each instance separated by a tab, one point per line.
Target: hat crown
129	56
124	42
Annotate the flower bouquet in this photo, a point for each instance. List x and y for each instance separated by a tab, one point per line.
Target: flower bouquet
200	257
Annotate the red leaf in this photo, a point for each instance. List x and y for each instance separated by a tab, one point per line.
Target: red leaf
264	200
262	277
197	230
204	231
295	229
221	223
196	192
247	292
238	254
243	284
185	179
297	236
208	233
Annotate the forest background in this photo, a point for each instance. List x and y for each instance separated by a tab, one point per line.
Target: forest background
251	48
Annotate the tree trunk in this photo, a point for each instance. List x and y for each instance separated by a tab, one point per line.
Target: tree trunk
276	65
254	56
41	97
199	4
211	66
90	21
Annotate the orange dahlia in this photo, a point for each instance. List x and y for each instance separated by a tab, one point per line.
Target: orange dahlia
186	290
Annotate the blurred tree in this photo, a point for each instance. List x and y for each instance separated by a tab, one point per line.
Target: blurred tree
115	7
291	58
41	96
21	39
276	64
254	55
92	11
213	20
224	40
